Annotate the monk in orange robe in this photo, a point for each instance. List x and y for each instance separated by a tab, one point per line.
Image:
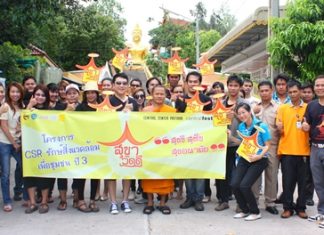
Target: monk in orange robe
159	186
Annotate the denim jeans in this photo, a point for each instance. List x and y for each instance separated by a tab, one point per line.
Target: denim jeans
6	151
245	174
195	189
317	166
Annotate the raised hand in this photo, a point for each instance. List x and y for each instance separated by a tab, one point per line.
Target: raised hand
257	109
32	103
305	125
279	125
128	107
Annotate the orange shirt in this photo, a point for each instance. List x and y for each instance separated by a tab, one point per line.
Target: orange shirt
293	140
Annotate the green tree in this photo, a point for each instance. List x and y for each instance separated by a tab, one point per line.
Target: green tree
187	42
166	34
157	67
297	45
9	56
66	29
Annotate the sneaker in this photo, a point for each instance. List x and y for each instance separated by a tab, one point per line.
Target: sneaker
321	225
206	199
222	206
253	217
131	195
240	215
317	217
140	200
113	209
125	207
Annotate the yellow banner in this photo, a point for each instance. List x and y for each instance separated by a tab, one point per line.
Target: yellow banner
122	145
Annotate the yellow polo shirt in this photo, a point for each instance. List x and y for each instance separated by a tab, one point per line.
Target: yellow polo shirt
293	140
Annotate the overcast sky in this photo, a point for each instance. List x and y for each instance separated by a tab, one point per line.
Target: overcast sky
138	11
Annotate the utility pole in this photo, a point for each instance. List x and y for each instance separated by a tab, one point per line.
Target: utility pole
273	11
197	40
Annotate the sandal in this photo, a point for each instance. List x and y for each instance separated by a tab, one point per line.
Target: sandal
93	207
148	210
24	204
62	206
75	203
83	207
30	209
7	208
165	210
103	198
43	208
50	199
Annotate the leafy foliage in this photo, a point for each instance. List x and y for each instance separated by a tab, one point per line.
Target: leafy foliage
297	46
169	35
9	55
187	43
66	29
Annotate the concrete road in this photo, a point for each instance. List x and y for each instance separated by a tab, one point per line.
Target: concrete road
180	221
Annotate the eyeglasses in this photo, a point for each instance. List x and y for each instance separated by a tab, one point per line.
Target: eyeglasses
139	96
178	92
121	83
135	85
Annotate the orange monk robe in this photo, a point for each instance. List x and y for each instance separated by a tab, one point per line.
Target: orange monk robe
156	185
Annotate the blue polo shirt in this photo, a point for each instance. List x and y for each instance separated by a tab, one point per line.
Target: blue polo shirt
262	136
276	99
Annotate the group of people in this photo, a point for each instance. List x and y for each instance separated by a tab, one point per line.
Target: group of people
288	117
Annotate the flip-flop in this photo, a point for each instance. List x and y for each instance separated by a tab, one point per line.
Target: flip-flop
7	208
148	210
103	198
164	209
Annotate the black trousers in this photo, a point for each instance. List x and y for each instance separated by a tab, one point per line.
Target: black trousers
208	191
133	185
80	184
40	183
223	186
293	172
245	174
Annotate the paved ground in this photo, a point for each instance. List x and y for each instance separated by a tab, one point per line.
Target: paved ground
180	221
